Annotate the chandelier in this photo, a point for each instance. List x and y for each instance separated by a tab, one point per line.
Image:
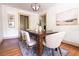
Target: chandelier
35	6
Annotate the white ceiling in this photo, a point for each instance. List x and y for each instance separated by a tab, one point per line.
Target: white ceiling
27	6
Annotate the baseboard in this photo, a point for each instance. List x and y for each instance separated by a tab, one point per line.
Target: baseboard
13	37
72	43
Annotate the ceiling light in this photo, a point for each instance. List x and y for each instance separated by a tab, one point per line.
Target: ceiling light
35	6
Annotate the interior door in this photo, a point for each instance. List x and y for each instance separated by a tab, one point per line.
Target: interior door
24	22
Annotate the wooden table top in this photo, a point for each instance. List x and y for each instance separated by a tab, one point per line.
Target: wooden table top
47	32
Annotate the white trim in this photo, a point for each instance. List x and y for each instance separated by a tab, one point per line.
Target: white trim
10	37
72	43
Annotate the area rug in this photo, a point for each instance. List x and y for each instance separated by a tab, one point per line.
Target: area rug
46	51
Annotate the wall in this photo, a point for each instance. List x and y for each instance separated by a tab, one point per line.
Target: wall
14	32
72	32
50	18
1	30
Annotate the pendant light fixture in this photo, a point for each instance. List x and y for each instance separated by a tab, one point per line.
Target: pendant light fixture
35	6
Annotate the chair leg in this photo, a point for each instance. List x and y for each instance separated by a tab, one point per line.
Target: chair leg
30	49
60	51
52	52
55	49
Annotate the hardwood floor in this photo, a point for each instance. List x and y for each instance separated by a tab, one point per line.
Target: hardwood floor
10	47
73	50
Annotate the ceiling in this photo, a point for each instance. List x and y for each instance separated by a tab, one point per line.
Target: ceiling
27	6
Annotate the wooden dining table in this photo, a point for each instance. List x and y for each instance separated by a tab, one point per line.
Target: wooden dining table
40	37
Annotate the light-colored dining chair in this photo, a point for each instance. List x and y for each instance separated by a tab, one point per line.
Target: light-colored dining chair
53	41
22	36
30	42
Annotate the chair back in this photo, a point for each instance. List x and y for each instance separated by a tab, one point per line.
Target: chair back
22	35
27	37
54	40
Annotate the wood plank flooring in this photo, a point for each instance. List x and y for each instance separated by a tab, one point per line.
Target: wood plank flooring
10	47
73	50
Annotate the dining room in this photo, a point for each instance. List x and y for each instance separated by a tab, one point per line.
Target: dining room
40	29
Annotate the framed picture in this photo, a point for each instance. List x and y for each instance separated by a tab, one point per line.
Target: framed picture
68	17
11	21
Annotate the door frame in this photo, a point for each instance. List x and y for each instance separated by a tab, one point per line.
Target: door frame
46	18
19	19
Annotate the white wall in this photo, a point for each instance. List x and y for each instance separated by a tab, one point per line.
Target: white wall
50	19
72	32
1	30
61	7
13	32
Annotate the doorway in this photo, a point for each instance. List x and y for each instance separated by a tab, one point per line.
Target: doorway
24	22
43	21
43	24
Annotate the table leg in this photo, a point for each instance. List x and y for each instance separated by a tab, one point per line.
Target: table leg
40	45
